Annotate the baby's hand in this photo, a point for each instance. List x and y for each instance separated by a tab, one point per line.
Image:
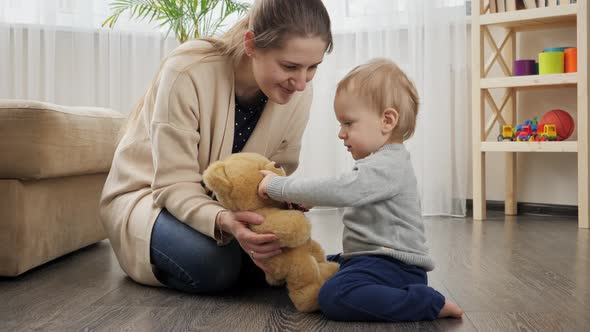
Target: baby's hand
268	175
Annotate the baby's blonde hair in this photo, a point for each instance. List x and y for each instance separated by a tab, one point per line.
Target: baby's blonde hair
382	84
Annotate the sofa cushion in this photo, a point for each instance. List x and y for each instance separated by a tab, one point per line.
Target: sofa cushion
42	140
44	219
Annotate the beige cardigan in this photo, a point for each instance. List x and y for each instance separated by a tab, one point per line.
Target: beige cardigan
187	123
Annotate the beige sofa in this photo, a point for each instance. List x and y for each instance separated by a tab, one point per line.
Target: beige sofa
53	164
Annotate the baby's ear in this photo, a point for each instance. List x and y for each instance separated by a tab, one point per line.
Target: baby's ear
275	168
390	119
215	178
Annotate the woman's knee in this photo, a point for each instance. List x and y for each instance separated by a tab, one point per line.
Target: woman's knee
216	270
183	256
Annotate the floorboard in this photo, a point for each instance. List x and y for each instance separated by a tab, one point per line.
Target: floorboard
526	273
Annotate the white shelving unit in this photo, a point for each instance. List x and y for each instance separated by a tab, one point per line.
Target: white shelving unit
503	53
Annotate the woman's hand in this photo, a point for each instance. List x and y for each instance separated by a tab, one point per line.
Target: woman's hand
263	185
258	246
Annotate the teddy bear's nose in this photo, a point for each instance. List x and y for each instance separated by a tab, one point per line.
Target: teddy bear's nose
277	165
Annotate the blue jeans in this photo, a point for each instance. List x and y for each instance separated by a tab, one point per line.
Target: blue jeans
379	288
186	260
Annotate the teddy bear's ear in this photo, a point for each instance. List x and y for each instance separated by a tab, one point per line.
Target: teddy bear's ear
275	168
215	178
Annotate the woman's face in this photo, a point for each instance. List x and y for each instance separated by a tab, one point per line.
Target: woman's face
281	72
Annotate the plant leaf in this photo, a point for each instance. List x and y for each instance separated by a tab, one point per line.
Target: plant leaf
187	18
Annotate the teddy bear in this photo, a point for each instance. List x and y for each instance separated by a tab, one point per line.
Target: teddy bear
301	265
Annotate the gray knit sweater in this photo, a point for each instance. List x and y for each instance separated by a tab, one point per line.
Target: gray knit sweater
382	215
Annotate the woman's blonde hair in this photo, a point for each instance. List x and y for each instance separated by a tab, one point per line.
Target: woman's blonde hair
272	22
382	84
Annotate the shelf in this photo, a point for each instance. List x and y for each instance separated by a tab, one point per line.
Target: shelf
565	14
500	32
531	81
563	146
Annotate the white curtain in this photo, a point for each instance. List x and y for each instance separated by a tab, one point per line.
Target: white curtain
428	39
55	50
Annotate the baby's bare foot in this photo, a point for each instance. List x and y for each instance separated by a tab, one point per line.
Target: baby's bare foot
450	309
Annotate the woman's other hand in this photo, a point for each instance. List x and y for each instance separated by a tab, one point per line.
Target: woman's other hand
258	246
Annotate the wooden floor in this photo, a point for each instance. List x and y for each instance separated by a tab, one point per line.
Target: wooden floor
508	274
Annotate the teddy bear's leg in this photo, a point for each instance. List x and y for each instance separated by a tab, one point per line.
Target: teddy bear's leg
274	282
316	251
304	281
278	268
306	299
328	269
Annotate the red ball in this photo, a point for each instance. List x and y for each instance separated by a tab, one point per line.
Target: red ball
563	121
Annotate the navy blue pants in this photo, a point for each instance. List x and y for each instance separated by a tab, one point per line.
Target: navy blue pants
379	288
186	260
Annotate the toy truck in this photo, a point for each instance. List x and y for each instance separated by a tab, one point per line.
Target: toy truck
549	133
506	133
527	131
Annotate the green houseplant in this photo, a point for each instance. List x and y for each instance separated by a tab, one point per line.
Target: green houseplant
187	18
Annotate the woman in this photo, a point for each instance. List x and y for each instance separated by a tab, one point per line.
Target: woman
246	91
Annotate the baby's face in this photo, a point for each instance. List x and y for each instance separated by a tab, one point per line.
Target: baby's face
361	127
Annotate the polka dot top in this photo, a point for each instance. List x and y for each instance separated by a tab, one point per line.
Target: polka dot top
247	115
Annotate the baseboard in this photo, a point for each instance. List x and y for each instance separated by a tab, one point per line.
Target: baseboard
530	208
